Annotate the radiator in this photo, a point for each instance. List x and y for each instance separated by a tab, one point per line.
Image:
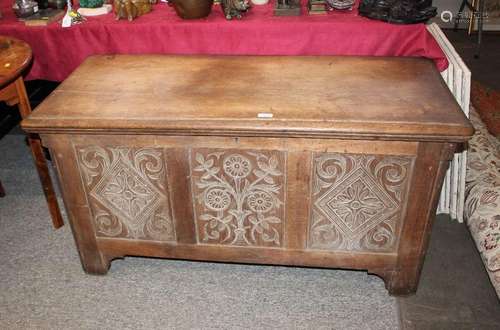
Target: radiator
458	78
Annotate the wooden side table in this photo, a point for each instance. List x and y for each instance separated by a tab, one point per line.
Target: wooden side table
15	56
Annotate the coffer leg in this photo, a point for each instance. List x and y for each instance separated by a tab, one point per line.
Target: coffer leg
93	260
397	283
403	279
94	266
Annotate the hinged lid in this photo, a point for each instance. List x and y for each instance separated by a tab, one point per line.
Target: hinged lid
325	96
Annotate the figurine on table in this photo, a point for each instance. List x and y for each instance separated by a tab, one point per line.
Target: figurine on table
287	8
131	9
71	17
234	8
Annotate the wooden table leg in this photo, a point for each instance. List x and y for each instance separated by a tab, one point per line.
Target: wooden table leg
43	174
2	191
39	157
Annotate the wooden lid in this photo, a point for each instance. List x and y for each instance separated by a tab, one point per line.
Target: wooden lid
344	97
15	55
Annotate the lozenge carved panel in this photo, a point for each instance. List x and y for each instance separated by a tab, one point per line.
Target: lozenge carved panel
238	196
126	191
357	201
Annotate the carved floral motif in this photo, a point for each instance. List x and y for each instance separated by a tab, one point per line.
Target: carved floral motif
239	196
126	192
357	201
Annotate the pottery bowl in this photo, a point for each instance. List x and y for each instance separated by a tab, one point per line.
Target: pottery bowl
192	9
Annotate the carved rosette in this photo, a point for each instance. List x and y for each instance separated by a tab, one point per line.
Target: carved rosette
238	196
126	192
357	201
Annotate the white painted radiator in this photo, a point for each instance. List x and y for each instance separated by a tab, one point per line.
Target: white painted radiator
458	79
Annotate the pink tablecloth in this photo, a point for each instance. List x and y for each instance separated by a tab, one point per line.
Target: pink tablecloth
57	51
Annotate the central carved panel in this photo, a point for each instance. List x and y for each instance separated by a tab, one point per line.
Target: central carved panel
239	196
357	201
126	192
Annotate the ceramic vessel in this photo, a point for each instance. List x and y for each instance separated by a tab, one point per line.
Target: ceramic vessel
340	4
25	8
192	9
91	3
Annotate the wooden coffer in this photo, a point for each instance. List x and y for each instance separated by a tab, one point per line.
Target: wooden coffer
208	174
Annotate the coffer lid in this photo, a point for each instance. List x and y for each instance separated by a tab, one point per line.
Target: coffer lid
306	96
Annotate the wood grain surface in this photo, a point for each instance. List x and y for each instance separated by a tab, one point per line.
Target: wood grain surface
15	56
223	95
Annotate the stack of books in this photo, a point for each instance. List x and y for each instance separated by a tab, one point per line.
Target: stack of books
316	7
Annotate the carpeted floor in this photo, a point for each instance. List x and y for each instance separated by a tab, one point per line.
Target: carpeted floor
42	285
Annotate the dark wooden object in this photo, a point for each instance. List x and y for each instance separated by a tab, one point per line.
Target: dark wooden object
2	191
313	161
192	9
15	56
476	10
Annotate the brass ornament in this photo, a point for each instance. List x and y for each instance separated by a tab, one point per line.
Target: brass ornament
130	9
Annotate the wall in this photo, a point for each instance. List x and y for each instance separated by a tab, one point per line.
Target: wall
492	7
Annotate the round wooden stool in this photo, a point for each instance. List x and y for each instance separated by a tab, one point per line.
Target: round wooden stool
15	56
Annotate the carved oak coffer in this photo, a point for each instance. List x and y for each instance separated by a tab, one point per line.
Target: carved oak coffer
313	161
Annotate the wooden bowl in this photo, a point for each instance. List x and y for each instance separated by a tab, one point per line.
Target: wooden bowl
192	9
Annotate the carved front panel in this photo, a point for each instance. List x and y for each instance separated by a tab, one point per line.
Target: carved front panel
126	191
238	196
357	201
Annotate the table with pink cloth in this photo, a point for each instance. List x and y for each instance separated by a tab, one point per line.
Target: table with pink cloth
58	51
